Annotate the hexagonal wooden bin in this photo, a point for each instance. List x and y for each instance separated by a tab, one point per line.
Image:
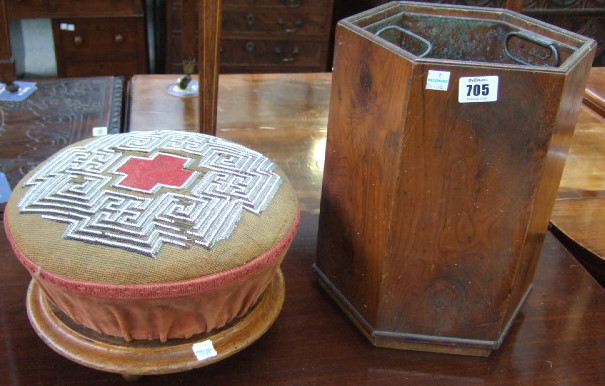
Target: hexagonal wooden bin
447	136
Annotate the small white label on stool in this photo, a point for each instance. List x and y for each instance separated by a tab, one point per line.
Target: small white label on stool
204	350
438	80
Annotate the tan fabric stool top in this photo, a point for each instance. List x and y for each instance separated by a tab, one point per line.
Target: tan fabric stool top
153	235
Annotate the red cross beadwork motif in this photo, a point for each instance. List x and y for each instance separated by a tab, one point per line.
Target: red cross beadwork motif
147	173
194	187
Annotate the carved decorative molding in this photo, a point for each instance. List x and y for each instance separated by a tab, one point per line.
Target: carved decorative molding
59	113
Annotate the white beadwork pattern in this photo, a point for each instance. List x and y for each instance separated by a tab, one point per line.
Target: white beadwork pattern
80	187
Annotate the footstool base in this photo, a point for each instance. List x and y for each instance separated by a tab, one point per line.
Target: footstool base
138	358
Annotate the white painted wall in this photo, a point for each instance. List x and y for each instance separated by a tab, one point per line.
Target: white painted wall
33	48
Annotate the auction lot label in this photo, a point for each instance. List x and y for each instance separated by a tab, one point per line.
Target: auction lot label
476	89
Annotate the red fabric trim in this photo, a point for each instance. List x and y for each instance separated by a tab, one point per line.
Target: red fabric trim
155	290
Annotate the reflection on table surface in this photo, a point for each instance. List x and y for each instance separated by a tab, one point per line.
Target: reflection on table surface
577	218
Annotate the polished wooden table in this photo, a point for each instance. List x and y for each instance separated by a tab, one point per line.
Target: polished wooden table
559	337
578	218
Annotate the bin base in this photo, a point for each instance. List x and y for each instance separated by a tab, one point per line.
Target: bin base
416	342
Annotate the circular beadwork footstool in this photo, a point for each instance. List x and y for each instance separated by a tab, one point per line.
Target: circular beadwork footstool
166	244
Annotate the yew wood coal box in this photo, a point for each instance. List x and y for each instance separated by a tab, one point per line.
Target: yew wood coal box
447	136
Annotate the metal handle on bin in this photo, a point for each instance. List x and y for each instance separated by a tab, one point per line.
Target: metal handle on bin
554	52
429	45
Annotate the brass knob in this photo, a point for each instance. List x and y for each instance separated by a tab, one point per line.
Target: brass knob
284	56
78	40
250	19
250	47
119	38
290	30
293	3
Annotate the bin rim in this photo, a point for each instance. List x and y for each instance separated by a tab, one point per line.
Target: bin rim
582	47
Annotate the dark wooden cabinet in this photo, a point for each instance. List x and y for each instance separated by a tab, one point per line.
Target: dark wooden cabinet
100	46
262	35
22	9
92	38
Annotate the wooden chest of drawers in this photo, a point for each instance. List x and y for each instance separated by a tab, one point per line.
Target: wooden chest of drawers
92	38
22	9
100	46
263	35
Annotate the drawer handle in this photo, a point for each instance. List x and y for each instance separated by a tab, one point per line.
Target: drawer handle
293	3
284	57
118	38
78	40
290	30
250	47
250	19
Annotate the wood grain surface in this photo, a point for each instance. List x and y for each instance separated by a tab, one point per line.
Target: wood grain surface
559	337
7	62
595	91
209	37
433	211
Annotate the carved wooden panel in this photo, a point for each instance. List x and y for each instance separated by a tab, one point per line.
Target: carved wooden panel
59	113
564	4
586	23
